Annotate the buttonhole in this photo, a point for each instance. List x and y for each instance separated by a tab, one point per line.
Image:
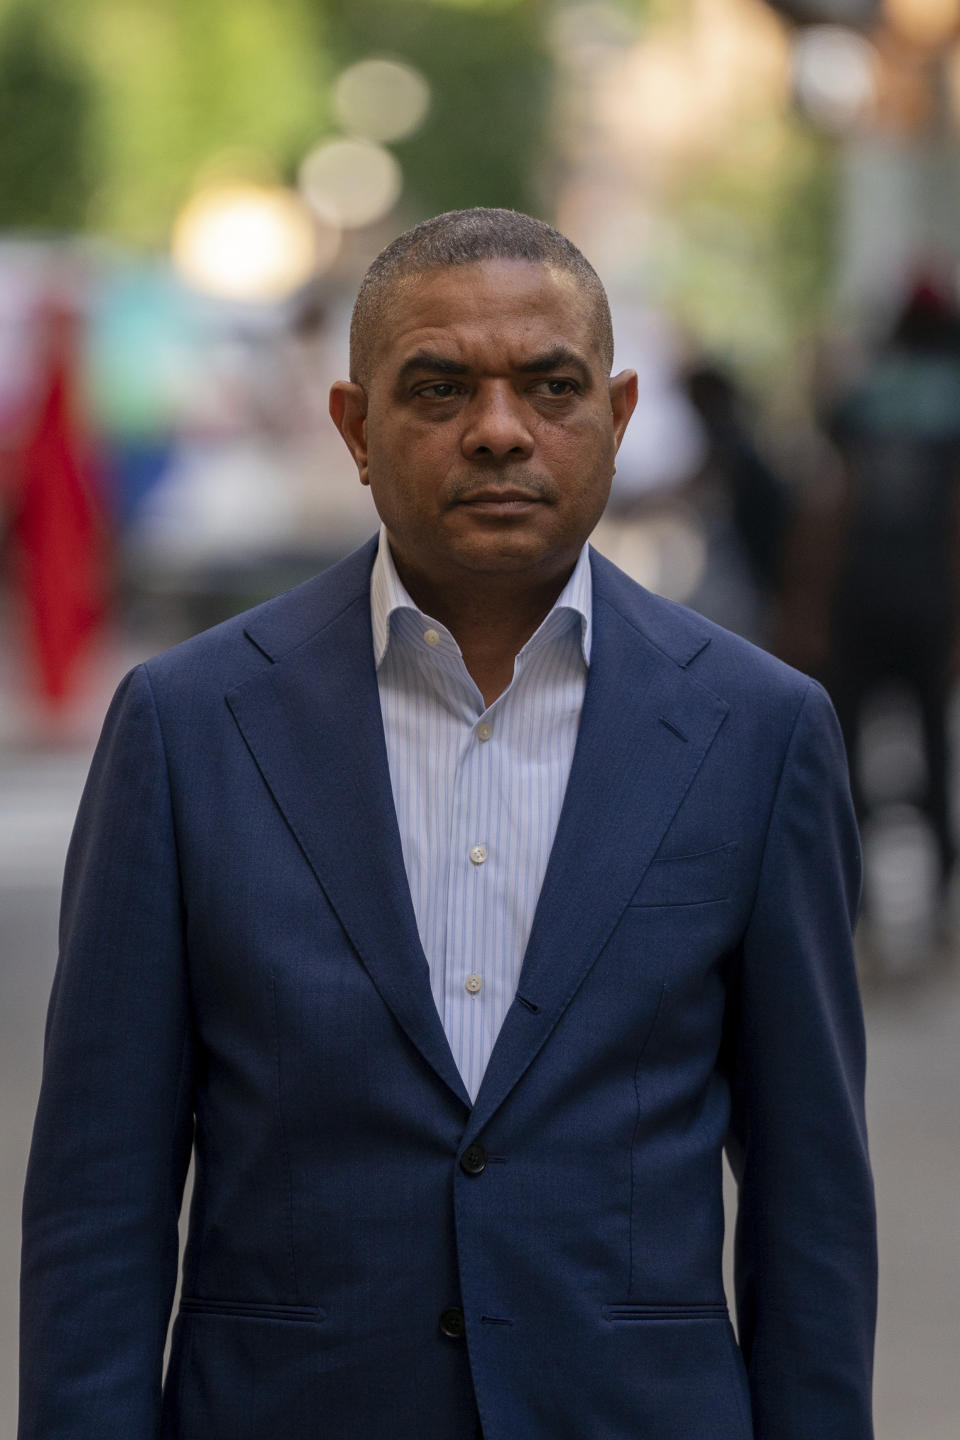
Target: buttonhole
528	1004
673	729
494	1320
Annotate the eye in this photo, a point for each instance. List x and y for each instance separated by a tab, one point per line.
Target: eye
557	389
439	390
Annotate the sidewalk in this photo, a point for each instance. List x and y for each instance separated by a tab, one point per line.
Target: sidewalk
913	1107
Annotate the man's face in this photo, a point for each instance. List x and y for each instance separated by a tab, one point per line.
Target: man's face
488	426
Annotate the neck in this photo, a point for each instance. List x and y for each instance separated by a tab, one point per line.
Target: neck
491	620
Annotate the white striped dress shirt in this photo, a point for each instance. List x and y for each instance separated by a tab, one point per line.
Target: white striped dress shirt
478	792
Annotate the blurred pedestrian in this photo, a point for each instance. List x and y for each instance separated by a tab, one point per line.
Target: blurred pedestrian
895	585
60	535
745	508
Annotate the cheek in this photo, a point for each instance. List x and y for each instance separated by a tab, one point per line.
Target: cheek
584	453
410	449
588	436
404	497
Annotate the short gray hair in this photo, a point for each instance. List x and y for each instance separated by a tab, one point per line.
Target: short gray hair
469	237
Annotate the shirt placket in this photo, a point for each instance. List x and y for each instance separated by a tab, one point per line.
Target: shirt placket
471	975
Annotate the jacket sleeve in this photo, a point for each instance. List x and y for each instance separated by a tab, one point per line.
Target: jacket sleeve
805	1253
114	1125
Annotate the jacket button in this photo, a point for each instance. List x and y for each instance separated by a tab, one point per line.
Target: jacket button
452	1323
473	1161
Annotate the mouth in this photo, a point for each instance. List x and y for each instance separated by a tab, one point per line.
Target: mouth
501	501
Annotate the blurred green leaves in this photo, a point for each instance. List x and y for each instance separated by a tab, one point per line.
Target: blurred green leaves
178	84
110	109
485	142
750	261
46	107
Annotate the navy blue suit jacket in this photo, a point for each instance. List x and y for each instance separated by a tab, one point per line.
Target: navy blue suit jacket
241	973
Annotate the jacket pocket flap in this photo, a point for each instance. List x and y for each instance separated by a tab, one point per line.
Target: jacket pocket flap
687	879
708	1310
250	1309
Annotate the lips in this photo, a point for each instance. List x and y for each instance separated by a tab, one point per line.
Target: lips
500	498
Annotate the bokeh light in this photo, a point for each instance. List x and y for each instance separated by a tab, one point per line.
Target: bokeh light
352	182
834	74
251	243
381	99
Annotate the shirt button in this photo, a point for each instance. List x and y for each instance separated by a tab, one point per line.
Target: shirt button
484	731
432	637
478	854
474	984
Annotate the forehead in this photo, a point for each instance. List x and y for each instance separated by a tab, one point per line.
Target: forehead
496	311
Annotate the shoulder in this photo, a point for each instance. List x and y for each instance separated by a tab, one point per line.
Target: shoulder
738	672
239	647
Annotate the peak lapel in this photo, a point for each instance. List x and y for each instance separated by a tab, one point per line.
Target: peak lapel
645	729
312	723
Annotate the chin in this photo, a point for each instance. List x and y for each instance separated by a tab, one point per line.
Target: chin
508	555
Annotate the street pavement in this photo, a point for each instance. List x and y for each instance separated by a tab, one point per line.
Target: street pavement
913	1023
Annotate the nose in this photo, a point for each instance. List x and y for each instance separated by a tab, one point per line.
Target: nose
497	427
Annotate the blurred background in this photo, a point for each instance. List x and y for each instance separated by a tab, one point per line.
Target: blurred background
189	194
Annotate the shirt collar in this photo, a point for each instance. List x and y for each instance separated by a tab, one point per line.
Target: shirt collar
389	595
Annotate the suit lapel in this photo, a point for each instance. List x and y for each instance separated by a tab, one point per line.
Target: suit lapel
312	723
645	729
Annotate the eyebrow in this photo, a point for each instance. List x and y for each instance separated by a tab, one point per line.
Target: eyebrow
559	357
429	360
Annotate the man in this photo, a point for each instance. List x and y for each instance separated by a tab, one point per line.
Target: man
457	908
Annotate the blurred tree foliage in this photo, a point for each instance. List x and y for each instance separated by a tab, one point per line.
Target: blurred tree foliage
748	260
46	174
486	141
180	83
110	109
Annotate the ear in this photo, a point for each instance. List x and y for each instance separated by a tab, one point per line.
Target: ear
623	399
348	411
